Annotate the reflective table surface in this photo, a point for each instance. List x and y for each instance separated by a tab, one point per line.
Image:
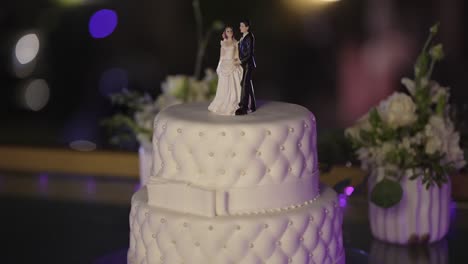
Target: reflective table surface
48	218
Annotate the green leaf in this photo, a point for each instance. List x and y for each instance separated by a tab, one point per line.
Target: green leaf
374	118
440	108
386	193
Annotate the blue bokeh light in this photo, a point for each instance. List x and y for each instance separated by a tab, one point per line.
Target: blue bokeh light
102	23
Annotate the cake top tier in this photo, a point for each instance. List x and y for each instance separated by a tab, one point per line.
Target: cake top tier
267	112
269	155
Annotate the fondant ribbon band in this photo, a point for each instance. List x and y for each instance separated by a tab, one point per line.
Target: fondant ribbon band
187	198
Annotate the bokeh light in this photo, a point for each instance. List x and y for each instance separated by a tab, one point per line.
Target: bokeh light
27	48
342	200
349	190
83	145
102	23
112	81
35	95
305	6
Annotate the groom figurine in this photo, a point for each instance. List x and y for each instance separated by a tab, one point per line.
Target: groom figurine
247	61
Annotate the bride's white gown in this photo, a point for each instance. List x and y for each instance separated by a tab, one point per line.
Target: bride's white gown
228	92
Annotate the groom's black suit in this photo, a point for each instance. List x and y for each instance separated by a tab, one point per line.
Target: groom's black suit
247	59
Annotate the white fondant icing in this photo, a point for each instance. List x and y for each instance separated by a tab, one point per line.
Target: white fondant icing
284	237
274	145
190	198
268	156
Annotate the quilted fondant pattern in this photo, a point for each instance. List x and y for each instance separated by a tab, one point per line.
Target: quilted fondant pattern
310	234
276	144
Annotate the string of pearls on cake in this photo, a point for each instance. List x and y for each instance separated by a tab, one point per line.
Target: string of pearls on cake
280	209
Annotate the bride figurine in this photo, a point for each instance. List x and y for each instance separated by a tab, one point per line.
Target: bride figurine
229	71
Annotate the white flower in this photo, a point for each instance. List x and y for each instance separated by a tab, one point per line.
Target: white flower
355	130
409	84
174	85
398	110
438	91
165	100
144	118
442	137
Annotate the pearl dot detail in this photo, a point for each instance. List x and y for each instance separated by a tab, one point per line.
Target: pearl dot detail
201	134
265	225
211	154
291	129
251	245
290	260
154	236
238	227
197	244
179	130
222	172
233	154
210	228
278	243
268	132
301	239
185	224
299	145
290	223
242	172
311	218
242	133
223	134
282	147
163	220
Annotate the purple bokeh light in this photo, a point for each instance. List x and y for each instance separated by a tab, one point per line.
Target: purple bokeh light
342	200
349	190
43	182
91	186
102	23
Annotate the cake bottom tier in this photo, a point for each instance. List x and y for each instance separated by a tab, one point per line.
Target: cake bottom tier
309	234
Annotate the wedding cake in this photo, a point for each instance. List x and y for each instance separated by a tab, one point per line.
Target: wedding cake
241	189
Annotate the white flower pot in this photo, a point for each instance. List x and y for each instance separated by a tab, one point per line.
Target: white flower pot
384	253
422	216
145	154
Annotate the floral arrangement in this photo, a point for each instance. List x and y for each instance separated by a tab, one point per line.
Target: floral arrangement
410	134
139	110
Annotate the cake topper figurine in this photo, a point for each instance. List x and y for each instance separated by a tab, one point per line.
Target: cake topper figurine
234	93
247	61
229	73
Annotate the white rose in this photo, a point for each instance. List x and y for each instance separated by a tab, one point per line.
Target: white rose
398	110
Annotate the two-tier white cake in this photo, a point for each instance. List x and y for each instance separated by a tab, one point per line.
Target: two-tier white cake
242	189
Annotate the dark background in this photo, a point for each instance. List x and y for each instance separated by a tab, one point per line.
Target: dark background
299	55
